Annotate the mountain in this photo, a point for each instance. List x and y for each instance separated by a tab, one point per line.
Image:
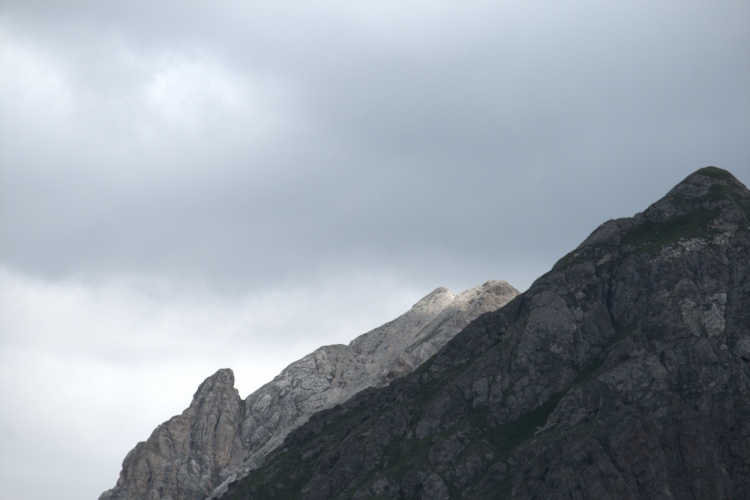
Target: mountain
220	437
624	372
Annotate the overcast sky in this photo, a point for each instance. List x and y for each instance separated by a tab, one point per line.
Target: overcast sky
186	186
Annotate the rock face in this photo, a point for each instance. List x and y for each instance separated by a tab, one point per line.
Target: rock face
624	372
184	456
220	438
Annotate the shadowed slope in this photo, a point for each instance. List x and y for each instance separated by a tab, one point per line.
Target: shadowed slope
623	372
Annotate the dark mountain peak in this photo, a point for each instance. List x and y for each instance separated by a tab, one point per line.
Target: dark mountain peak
710	203
704	178
701	182
623	372
708	189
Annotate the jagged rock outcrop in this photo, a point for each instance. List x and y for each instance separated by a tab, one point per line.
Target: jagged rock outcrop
624	372
184	456
196	467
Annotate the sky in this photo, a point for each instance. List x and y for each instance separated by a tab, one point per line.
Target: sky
187	186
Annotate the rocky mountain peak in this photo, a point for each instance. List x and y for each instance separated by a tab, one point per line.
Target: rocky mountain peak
708	205
220	383
624	372
219	437
435	300
703	182
709	189
333	374
184	457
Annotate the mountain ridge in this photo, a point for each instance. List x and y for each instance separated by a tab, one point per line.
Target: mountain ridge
221	437
622	372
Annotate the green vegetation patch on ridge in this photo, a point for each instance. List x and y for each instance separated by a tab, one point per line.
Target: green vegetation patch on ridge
652	235
716	173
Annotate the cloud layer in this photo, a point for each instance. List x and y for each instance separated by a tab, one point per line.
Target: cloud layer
87	369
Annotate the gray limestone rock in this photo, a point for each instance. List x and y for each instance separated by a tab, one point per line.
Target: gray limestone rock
333	374
220	438
185	456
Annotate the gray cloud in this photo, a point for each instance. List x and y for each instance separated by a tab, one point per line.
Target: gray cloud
354	133
342	155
